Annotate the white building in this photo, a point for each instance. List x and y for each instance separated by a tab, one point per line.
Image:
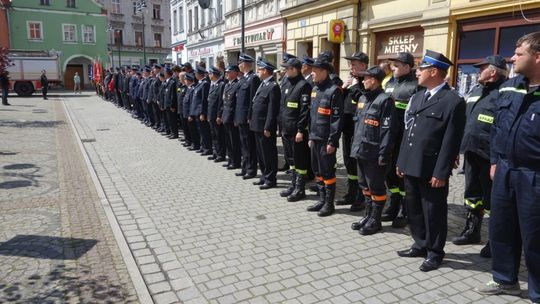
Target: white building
264	30
204	32
178	31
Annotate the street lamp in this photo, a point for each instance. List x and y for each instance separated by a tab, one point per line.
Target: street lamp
109	30
141	5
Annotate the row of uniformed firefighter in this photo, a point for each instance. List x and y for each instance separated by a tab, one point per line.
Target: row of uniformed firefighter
401	132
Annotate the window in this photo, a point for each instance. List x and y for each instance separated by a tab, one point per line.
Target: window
44	2
34	30
88	34
196	21
234	5
118	37
157	11
219	10
70	3
203	18
70	32
181	20
138	39
116	8
157	40
175	21
190	20
134	8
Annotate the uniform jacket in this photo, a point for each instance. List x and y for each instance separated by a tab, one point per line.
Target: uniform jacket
516	135
228	102
156	85
264	110
247	86
180	93
215	94
140	88
147	89
169	94
294	108
374	127
432	135
326	113
133	82
480	111
186	103
161	94
402	89
352	95
125	85
199	101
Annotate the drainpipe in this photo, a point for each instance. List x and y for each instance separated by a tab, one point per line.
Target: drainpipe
358	25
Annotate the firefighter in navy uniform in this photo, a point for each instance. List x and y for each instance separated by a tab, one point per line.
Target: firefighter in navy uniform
434	122
263	116
374	139
170	103
475	148
226	116
352	91
515	158
215	94
282	82
294	118
199	106
192	139
247	86
326	113
401	89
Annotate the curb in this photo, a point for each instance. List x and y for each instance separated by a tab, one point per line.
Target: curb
136	277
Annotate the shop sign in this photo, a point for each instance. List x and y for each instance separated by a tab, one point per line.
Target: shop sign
265	35
200	52
392	44
336	31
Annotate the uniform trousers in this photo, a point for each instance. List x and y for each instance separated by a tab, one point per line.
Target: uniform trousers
514	225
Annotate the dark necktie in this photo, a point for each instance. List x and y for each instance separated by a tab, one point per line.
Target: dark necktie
426	97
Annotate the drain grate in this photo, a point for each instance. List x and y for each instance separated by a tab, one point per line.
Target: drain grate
104	129
260	217
88	140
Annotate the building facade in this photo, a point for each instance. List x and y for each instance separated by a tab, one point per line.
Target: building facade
74	30
178	31
135	34
205	34
308	28
264	30
486	27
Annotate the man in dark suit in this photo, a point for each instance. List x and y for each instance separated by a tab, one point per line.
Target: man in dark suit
247	86
434	123
170	104
215	94
226	116
199	105
263	116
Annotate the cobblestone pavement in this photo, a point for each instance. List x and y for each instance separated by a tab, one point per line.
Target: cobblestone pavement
201	235
56	245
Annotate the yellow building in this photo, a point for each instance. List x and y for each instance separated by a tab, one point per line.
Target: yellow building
486	27
464	30
308	26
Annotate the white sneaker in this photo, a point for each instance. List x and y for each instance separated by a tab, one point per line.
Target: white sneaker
494	288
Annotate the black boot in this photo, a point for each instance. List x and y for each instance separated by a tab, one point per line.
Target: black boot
358	204
362	221
486	251
373	225
322	196
299	190
392	211
471	233
401	219
352	193
328	208
291	187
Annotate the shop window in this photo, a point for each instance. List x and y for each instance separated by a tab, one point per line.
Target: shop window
476	44
481	38
509	36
